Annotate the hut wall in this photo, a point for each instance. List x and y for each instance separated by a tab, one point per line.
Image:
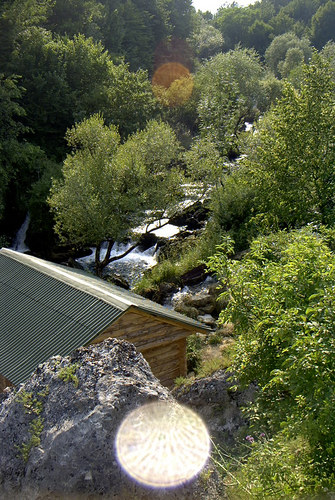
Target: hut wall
162	344
168	361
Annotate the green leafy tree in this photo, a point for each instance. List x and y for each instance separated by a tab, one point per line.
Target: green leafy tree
282	23
271	91
131	102
138	42
204	164
328	52
234	23
71	17
47	99
16	18
276	52
10	128
67	80
323	24
301	10
232	207
206	40
108	188
281	301
259	35
133	29
291	160
229	89
180	17
21	163
293	59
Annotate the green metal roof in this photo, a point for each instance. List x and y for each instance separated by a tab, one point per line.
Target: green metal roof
48	309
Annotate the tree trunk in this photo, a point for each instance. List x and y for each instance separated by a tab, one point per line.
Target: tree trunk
98	264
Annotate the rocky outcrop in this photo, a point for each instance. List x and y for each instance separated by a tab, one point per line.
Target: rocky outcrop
192	217
58	430
218	404
195	276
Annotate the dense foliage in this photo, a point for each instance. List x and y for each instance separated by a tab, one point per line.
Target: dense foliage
115	105
286	178
68	60
281	301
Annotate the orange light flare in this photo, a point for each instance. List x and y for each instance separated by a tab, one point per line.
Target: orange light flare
172	84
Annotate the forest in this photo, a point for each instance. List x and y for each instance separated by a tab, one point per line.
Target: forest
111	108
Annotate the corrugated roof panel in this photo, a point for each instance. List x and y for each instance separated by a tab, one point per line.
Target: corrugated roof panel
116	296
41	317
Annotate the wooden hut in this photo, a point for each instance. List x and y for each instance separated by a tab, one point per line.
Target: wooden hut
48	309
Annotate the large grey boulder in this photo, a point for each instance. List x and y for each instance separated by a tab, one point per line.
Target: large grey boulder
57	431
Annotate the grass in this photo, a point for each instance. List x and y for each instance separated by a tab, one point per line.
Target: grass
272	469
211	366
205	356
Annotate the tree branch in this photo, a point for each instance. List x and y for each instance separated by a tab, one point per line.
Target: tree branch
124	254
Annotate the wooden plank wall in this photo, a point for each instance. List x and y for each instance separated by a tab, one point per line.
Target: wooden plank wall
167	362
162	344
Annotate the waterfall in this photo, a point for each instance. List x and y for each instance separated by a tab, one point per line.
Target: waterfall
130	267
19	241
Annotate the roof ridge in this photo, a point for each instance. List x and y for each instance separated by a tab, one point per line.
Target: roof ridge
107	292
67	273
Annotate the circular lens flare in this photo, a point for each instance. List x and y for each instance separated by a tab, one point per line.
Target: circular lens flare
162	444
172	84
168	73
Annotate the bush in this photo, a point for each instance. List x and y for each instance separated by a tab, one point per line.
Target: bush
282	303
231	207
194	345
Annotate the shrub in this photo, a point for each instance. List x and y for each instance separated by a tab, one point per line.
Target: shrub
282	303
194	345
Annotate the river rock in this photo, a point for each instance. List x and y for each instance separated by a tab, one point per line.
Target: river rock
57	431
207	319
194	276
118	280
202	301
192	217
191	312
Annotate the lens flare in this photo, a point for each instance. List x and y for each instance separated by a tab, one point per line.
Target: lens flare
168	73
172	84
162	444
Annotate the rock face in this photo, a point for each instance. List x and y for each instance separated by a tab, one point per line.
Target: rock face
57	431
192	217
220	407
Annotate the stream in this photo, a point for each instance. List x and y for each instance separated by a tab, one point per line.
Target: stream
130	268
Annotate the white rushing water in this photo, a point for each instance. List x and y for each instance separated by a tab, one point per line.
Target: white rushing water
163	230
131	267
172	300
20	238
